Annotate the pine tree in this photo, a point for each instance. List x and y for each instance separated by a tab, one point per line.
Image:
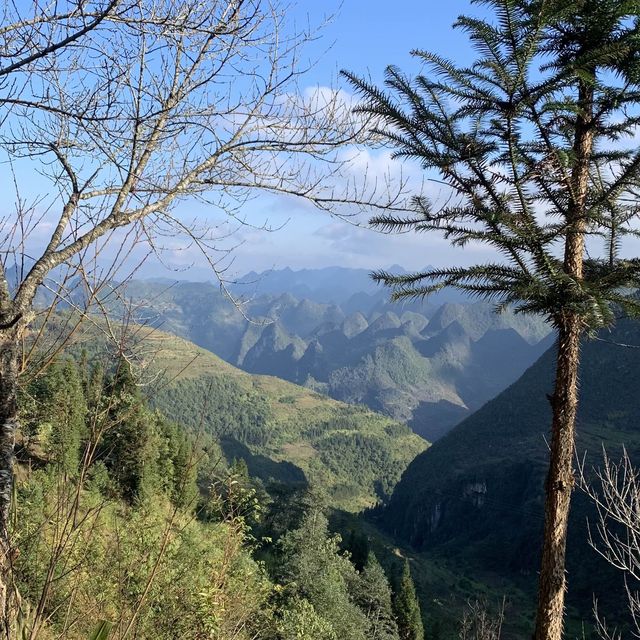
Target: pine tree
532	147
184	489
374	597
126	446
313	568
358	547
60	414
407	608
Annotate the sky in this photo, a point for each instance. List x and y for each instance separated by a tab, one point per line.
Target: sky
363	37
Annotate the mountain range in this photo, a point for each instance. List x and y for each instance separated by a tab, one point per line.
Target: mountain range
427	364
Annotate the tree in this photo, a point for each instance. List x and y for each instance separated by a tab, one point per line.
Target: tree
58	416
374	597
183	460
126	446
358	547
615	535
122	110
407	608
528	147
301	622
314	569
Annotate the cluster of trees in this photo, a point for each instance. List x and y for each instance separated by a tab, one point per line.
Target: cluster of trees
128	518
329	598
222	405
78	417
371	462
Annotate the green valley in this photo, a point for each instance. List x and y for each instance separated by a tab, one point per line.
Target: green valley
284	432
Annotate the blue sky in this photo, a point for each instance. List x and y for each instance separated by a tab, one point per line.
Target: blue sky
363	37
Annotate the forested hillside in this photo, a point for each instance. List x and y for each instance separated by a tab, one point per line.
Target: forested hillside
129	523
284	432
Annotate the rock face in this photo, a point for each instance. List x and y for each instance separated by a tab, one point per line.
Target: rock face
354	324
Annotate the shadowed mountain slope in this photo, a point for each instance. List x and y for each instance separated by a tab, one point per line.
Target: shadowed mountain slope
478	492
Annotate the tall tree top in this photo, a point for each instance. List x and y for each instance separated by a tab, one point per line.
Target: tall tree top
530	146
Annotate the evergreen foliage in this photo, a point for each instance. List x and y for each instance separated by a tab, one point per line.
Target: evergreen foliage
357	545
126	444
374	597
54	413
501	134
314	568
535	142
407	608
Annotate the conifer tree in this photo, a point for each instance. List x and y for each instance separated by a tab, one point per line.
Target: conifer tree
184	489
358	548
60	413
313	568
125	446
531	146
374	597
407	608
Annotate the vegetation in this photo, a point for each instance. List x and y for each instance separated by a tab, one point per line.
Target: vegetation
115	107
193	500
407	608
129	521
286	433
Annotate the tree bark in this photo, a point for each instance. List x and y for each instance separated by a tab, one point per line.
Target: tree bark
559	485
8	423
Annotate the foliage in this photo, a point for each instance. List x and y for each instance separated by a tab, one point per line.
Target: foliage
407	608
475	497
314	568
284	432
532	140
374	597
144	532
54	411
501	134
301	622
219	404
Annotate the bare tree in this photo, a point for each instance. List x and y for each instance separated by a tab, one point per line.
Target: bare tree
615	535
478	623
114	111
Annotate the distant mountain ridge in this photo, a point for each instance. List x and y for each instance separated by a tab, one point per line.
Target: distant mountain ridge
429	364
351	289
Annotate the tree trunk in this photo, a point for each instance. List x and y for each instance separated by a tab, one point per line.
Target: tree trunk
8	422
559	485
560	480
